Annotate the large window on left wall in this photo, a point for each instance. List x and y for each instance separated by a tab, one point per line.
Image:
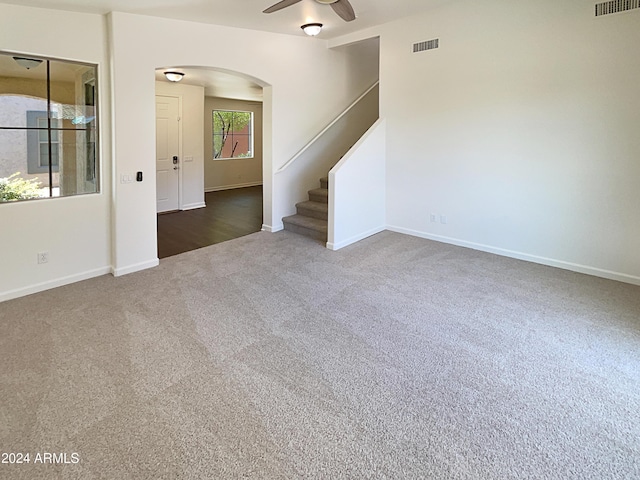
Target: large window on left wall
48	128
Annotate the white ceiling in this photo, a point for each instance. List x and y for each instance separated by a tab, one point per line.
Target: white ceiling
245	14
248	13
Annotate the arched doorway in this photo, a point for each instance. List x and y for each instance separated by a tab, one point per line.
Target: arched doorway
218	162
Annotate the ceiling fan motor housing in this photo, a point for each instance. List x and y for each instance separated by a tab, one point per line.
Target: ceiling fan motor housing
326	2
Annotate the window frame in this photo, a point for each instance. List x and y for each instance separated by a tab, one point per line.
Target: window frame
89	175
250	135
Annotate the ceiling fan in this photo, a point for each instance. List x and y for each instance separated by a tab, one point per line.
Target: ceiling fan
342	7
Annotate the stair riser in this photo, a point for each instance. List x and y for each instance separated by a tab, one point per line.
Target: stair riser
318	198
307	212
324	183
322	236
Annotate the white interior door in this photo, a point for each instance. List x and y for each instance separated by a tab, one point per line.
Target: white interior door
167	153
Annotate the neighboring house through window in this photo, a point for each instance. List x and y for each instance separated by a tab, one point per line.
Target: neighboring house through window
38	143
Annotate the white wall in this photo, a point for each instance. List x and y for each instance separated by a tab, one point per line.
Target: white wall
522	129
74	230
357	190
191	192
292	69
235	172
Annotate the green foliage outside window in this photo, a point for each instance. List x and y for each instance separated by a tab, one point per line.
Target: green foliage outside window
232	134
12	188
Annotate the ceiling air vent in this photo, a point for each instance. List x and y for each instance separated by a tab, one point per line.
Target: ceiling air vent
431	44
616	6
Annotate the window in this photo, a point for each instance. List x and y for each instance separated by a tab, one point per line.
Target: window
48	128
232	134
38	143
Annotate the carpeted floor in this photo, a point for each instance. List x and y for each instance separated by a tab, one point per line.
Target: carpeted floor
269	357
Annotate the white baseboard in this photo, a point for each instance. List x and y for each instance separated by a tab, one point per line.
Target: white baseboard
551	262
231	187
58	282
270	229
193	206
354	239
118	272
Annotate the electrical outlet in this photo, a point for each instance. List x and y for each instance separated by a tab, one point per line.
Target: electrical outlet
433	217
43	257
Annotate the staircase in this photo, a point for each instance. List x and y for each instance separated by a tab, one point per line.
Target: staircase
312	216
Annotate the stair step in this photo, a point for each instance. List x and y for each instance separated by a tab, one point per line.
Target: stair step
319	195
313	209
311	219
309	226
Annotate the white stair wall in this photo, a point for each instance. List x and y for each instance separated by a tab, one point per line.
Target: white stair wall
357	190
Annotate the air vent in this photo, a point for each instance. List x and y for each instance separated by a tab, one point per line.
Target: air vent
616	6
430	44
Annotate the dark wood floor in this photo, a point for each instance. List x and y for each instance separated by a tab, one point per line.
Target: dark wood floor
229	214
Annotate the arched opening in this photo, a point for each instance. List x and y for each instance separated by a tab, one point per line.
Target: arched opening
209	158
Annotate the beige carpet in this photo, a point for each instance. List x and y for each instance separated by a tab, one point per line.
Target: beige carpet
271	357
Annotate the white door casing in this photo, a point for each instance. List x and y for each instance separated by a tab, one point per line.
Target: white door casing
167	151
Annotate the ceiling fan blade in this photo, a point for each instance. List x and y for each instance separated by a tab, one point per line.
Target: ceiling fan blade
344	9
280	5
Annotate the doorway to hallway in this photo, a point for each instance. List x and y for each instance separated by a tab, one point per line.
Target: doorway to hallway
229	214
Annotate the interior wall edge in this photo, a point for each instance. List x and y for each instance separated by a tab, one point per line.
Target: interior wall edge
118	272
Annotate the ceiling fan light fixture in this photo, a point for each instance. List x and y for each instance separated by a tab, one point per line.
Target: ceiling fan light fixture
312	29
174	76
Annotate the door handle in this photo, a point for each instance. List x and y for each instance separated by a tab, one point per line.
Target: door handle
176	167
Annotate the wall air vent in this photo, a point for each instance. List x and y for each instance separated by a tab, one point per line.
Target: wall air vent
430	44
616	6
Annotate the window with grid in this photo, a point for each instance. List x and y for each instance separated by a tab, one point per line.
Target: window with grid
48	128
232	134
